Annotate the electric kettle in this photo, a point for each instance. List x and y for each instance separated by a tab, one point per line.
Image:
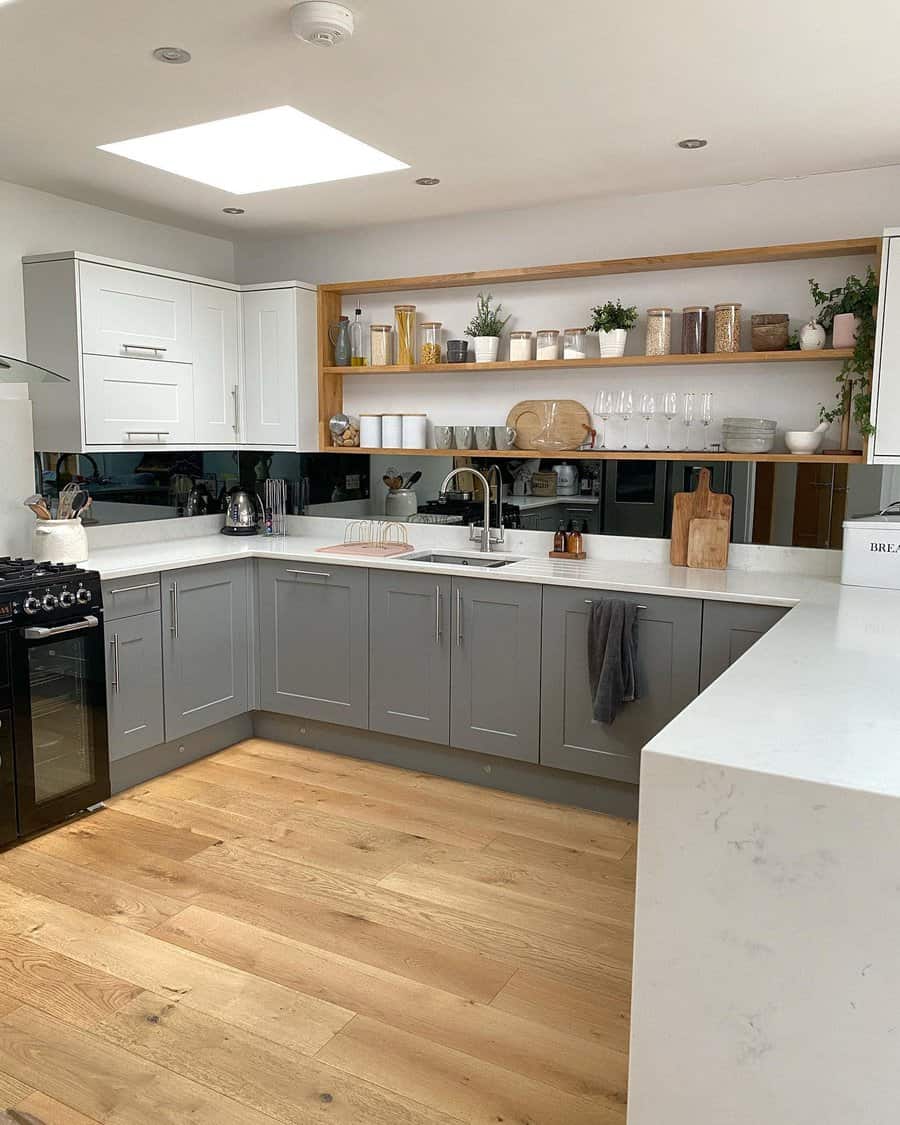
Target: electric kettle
243	514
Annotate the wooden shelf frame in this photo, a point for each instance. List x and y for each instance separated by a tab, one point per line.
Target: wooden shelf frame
331	378
613	455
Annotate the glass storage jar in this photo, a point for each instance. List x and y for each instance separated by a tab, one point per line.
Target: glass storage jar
694	329
659	332
380	345
431	343
519	346
575	343
548	344
728	327
405	317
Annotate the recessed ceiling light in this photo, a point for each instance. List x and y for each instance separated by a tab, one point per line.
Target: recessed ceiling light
693	142
427	181
233	210
273	148
172	54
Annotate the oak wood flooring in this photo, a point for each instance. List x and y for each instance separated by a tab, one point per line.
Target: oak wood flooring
274	934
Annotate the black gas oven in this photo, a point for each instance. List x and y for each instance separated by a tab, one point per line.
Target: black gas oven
54	756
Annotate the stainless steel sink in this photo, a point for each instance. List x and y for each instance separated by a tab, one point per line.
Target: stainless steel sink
447	558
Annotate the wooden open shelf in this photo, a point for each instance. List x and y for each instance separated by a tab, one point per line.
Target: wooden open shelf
331	378
709	359
612	455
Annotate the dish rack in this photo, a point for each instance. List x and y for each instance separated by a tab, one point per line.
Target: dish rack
372	538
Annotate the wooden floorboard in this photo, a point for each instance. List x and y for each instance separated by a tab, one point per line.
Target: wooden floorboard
274	934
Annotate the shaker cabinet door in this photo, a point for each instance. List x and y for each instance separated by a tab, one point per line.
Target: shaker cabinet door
668	662
137	402
496	667
216	316
134	684
729	629
409	655
270	368
129	313
314	641
206	645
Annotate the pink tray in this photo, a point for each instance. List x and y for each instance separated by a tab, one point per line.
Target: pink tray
368	549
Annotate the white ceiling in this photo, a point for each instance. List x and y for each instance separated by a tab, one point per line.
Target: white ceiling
509	102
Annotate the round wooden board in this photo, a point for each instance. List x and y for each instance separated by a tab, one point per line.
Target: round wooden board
552	424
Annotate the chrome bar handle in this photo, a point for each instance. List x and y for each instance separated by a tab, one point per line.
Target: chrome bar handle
114	645
148	433
38	632
459	611
142	348
234	395
311	573
134	589
173	594
437	615
587	601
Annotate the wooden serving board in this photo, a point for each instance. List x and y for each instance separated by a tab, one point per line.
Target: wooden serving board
552	424
703	503
708	543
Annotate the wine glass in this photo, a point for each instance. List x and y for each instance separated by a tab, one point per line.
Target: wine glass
624	409
648	409
706	416
670	409
687	416
603	408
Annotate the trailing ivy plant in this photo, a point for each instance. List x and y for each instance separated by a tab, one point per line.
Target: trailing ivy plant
854	378
486	321
610	316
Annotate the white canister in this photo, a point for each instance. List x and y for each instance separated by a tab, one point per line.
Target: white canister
392	431
415	428
401	503
59	541
370	431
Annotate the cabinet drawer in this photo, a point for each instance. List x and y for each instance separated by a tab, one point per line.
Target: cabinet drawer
125	312
137	401
127	597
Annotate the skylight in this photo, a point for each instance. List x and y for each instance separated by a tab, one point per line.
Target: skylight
263	151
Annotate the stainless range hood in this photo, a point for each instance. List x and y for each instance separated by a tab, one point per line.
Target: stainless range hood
18	371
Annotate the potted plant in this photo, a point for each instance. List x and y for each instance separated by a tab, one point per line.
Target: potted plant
611	323
851	308
485	328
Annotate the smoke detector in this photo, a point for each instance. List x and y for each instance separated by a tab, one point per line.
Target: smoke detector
321	22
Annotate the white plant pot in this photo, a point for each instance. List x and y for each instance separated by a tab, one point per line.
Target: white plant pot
612	343
486	348
59	541
812	337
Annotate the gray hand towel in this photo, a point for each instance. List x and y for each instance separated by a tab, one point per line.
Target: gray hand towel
612	656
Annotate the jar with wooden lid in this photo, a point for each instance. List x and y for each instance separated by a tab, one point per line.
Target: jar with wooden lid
728	327
575	343
405	318
431	343
695	329
659	332
380	345
519	346
548	344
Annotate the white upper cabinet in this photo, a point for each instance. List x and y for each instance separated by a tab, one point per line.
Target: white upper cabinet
137	402
216	350
127	313
270	368
884	447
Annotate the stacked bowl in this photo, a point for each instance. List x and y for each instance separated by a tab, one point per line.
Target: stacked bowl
748	435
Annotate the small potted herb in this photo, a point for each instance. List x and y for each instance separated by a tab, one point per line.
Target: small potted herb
485	328
611	323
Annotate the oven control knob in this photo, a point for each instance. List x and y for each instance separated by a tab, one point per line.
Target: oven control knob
31	606
67	599
50	601
83	596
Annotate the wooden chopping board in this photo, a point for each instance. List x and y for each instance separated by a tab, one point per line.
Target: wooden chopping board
708	543
700	504
549	424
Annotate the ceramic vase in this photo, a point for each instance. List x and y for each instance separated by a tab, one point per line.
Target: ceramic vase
486	348
612	343
812	337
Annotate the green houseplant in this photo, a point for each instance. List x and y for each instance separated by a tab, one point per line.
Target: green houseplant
854	299
611	322
485	328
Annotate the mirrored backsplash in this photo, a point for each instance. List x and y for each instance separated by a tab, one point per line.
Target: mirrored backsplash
795	504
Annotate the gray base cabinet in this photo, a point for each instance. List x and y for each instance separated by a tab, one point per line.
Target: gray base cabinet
729	629
568	508
314	641
409	655
495	672
668	663
134	684
206	645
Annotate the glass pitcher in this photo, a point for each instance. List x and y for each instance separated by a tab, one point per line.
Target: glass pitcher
339	334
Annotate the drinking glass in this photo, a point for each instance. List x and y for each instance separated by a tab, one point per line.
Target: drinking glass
670	409
603	408
706	416
687	417
648	409
624	409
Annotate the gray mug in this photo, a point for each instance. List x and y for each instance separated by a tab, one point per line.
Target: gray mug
464	435
504	437
484	437
443	437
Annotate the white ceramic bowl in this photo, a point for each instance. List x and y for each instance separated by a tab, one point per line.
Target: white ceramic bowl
803	441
